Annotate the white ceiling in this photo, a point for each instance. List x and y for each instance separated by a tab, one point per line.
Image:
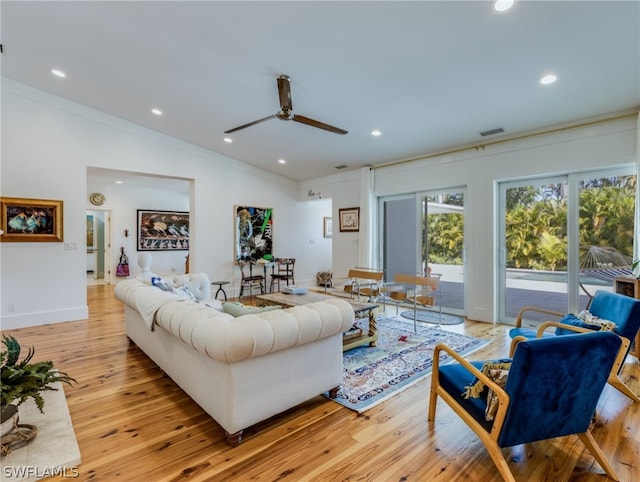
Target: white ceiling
430	75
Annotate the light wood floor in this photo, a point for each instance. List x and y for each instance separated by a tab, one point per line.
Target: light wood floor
133	423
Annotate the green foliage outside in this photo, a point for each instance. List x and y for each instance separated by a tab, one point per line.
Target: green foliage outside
536	224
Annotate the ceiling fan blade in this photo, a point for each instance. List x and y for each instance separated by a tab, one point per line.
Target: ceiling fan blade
320	125
250	124
284	91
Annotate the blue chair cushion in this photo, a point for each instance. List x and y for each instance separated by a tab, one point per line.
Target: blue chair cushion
529	333
454	379
573	320
569	319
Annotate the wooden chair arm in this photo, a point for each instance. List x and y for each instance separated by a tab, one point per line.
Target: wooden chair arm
503	397
557	324
524	309
514	344
470	368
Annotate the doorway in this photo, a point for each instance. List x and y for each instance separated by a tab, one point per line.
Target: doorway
98	247
424	232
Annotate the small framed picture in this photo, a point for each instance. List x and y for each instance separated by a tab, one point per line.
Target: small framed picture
31	220
349	219
328	227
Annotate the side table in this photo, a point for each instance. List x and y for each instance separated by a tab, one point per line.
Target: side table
220	285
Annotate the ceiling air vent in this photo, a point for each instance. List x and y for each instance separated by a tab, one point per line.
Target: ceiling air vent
492	132
341	167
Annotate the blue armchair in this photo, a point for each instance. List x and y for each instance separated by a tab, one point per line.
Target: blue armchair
552	390
622	310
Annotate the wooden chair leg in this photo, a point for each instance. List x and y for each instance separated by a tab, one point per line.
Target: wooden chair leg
433	400
617	383
589	442
495	452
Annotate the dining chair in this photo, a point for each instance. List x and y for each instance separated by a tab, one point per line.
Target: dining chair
424	293
250	280
364	282
283	271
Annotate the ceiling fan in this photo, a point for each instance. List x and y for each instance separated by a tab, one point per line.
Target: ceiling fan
286	111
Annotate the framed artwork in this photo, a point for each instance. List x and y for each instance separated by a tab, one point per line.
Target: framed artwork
31	220
89	231
349	219
163	230
253	227
328	228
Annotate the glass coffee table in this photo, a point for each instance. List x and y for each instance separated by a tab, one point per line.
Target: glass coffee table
361	310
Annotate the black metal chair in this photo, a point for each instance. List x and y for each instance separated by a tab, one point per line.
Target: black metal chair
283	271
249	280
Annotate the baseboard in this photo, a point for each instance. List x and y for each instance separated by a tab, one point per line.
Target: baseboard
24	320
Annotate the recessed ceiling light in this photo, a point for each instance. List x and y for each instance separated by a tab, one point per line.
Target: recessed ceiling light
118	182
502	5
156	111
281	161
376	133
228	139
58	73
548	79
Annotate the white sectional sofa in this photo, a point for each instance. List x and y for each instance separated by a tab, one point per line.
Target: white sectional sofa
239	370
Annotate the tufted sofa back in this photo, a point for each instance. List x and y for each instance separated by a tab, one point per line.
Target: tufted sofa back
198	282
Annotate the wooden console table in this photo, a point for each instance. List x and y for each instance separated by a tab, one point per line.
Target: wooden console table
627	286
361	310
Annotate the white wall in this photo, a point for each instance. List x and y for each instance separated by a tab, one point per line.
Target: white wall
47	145
123	201
344	191
582	149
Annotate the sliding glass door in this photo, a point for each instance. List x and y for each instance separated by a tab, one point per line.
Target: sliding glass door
533	256
425	231
560	237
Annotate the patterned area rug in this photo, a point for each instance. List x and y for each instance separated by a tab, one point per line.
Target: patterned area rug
402	358
433	317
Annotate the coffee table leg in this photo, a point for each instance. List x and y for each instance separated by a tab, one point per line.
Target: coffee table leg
373	328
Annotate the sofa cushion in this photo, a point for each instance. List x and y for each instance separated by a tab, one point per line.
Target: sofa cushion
235	309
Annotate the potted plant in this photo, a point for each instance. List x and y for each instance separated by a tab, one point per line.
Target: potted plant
22	380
